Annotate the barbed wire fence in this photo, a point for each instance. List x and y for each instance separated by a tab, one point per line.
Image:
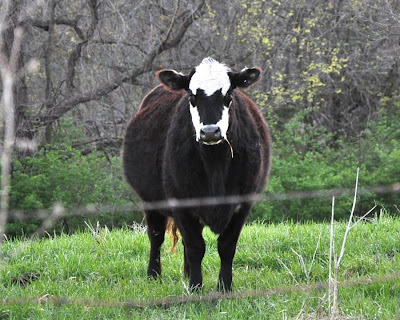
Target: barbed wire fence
50	217
197	298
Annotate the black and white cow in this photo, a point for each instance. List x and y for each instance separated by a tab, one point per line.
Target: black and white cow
196	136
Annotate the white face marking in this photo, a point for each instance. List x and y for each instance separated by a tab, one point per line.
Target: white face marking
196	121
210	76
223	124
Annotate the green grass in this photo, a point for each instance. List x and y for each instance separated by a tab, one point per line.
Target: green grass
112	267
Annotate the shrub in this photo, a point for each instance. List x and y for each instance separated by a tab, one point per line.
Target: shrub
67	177
306	158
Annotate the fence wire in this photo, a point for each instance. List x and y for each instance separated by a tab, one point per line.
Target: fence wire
49	217
58	211
195	298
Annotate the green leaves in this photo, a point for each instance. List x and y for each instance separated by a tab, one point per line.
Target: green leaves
309	158
65	175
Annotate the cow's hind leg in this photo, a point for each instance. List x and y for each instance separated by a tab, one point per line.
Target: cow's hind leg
227	246
156	224
186	266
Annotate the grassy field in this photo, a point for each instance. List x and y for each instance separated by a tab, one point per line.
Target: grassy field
110	267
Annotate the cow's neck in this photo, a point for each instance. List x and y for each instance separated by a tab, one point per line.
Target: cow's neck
215	155
216	163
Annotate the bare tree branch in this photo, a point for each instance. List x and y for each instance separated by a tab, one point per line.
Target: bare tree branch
172	39
76	54
45	24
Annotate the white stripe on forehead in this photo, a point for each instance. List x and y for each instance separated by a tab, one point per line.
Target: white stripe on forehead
210	76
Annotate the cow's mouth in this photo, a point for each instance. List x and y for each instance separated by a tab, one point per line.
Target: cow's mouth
212	143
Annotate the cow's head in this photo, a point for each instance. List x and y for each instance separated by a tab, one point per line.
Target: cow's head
210	86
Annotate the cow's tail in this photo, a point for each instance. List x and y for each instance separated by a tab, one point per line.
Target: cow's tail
172	231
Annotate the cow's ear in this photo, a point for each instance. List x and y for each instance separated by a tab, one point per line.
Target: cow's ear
245	78
173	79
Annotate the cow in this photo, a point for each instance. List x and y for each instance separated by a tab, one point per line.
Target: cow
197	135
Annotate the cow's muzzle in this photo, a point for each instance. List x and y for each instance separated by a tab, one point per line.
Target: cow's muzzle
210	134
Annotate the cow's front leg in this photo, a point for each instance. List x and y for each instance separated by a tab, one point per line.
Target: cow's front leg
227	247
191	230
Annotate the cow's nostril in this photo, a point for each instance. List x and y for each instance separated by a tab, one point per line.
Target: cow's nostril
210	133
210	129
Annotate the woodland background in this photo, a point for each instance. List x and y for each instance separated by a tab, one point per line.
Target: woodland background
330	93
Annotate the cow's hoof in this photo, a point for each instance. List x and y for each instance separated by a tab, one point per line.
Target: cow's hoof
198	288
153	274
224	288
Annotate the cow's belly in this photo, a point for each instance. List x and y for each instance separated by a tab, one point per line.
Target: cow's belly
217	218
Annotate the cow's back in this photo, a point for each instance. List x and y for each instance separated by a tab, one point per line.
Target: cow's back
145	142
